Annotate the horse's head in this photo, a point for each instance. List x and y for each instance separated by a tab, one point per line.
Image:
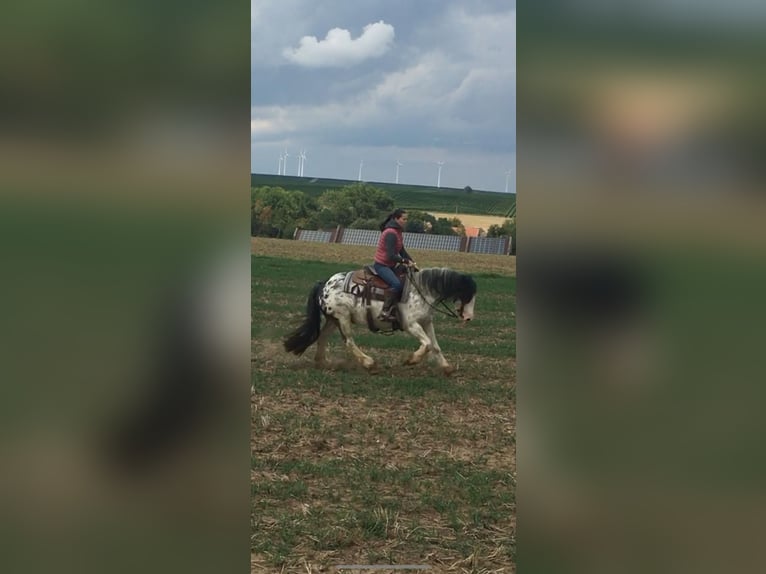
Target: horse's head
447	285
466	297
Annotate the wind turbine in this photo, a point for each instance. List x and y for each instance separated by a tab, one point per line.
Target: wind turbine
439	177
507	177
285	163
361	162
398	165
303	162
281	159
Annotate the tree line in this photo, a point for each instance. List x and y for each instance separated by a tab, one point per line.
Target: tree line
276	212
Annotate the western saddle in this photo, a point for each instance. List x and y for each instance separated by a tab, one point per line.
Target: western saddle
368	286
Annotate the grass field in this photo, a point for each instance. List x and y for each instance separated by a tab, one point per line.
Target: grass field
420	197
401	467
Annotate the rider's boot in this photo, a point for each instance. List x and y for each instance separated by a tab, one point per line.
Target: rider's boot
389	310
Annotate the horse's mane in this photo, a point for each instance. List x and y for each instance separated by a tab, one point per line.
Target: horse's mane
447	283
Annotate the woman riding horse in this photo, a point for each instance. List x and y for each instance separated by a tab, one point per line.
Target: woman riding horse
430	289
389	253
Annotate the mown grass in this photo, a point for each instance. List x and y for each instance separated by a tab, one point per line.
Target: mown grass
403	466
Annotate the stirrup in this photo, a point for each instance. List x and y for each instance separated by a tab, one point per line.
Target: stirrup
387	315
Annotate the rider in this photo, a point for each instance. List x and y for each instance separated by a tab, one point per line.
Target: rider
389	253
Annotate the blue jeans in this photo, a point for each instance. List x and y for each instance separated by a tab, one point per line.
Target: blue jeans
389	277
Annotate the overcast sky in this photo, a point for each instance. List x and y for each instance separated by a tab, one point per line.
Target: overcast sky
376	81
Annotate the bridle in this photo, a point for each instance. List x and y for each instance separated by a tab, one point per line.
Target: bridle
446	311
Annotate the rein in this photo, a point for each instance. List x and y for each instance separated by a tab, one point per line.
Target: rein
446	311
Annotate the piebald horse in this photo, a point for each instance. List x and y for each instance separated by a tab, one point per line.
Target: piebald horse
425	291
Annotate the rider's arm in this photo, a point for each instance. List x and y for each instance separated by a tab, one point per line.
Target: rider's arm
403	253
391	249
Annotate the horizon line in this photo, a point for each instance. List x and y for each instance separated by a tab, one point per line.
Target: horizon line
308	177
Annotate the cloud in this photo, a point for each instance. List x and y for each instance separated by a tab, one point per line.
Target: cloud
338	49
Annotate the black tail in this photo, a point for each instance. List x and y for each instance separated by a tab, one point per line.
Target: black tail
306	335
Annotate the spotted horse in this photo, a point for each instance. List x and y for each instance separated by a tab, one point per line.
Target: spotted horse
341	305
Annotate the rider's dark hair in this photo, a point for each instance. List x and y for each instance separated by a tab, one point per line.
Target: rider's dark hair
395	214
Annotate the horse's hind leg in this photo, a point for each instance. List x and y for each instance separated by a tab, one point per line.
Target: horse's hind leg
321	355
344	323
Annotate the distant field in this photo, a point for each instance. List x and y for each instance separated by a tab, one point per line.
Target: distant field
482	221
407	196
404	466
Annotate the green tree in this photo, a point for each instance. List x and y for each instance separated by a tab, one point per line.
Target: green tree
276	212
423	222
503	230
415	226
419	221
356	203
362	223
507	229
444	226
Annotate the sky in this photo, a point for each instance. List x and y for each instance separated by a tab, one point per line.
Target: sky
376	82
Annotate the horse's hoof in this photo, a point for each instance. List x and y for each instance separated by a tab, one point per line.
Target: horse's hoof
411	360
370	365
448	370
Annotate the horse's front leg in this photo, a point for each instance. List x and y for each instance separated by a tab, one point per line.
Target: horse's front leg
414	328
436	350
344	323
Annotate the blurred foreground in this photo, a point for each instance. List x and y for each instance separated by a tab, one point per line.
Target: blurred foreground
123	215
641	276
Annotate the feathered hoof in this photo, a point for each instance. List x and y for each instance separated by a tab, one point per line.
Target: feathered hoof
370	365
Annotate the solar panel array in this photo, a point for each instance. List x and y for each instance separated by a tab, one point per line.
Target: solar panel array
360	237
315	236
434	242
487	245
